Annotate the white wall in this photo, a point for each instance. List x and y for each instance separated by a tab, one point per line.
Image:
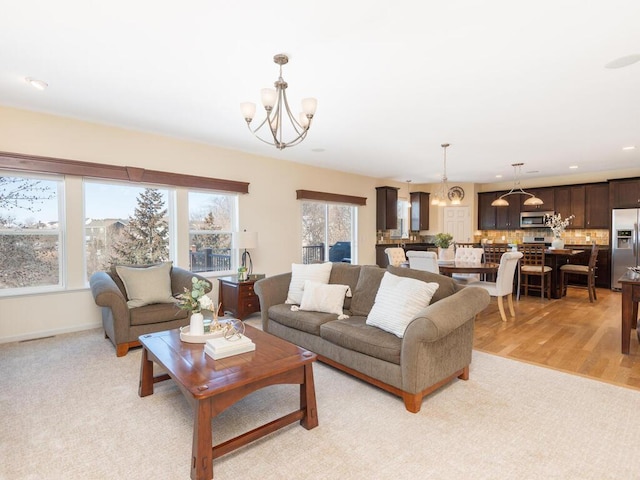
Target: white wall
270	208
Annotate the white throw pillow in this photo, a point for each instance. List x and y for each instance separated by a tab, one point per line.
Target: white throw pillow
327	298
398	301
317	272
146	285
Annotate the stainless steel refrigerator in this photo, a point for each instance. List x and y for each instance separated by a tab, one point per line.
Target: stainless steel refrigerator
625	242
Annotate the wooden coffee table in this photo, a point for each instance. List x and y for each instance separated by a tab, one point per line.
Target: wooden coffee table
211	386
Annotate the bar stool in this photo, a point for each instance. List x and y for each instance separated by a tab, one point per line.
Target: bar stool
588	270
533	265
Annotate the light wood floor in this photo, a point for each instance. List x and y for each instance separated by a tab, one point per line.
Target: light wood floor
568	334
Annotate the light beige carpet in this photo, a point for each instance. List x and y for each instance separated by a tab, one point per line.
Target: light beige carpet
69	409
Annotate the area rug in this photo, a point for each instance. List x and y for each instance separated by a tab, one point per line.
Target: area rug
69	409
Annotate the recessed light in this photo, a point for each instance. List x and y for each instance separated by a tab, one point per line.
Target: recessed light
498	176
35	83
630	147
317	150
533	171
573	166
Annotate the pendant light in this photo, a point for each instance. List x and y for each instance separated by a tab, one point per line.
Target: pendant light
532	200
440	197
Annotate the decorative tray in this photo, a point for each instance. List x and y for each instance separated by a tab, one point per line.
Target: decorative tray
185	336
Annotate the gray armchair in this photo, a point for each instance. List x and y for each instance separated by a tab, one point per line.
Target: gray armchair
123	324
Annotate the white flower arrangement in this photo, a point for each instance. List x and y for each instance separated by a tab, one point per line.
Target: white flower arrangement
196	299
556	224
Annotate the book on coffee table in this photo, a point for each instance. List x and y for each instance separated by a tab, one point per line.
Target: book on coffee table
220	347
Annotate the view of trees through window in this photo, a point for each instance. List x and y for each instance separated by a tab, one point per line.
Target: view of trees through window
125	225
327	231
30	243
211	219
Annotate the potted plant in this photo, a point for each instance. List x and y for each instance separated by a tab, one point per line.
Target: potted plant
444	242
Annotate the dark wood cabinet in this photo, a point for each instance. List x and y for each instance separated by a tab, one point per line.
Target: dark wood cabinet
508	218
238	298
597	212
577	206
386	208
625	193
546	194
419	211
486	213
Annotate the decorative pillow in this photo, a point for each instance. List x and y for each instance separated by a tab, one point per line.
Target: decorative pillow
146	285
327	298
398	301
317	272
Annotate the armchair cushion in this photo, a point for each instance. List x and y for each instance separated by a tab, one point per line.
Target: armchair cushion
146	285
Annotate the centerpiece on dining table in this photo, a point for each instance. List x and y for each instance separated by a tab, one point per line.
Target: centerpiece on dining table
557	226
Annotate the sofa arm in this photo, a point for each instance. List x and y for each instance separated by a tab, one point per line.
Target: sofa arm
271	291
181	279
441	318
107	294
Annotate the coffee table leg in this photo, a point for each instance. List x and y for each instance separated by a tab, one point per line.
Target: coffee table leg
145	387
308	399
202	449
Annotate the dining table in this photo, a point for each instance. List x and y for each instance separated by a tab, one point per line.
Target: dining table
448	268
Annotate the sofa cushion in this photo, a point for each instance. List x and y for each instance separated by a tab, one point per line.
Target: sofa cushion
398	301
318	297
446	285
309	322
317	272
354	334
345	274
147	285
366	289
156	313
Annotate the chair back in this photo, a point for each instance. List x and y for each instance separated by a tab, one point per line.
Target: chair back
533	255
593	258
472	255
493	251
427	261
464	245
506	272
395	255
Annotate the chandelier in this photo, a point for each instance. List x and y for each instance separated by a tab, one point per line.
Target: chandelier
440	196
277	108
532	200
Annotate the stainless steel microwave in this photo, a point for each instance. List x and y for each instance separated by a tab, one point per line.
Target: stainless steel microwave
533	219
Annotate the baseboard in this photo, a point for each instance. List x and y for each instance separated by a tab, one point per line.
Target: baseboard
49	333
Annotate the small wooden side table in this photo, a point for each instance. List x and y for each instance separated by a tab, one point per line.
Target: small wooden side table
238	297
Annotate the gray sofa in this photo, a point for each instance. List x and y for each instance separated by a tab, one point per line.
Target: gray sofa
436	347
123	324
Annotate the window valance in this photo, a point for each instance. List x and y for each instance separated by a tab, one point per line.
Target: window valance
330	197
33	163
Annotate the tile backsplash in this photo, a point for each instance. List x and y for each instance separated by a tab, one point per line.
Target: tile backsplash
576	236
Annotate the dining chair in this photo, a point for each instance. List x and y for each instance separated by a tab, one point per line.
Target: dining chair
427	261
469	255
503	286
588	270
493	252
532	265
395	255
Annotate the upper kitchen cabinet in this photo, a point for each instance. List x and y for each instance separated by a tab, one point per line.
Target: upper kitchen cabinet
546	194
597	205
386	208
419	211
570	200
508	218
486	213
625	193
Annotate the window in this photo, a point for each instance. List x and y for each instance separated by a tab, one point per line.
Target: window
125	224
212	217
328	232
31	243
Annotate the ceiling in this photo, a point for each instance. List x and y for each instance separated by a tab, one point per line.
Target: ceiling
502	81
